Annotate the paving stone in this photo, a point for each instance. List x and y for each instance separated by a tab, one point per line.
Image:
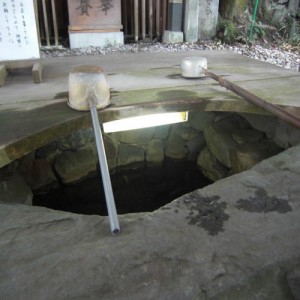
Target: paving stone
212	243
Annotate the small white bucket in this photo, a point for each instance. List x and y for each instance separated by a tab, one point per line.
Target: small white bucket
193	67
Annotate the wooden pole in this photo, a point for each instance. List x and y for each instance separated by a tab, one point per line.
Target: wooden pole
136	20
143	19
164	15
124	11
157	18
54	22
151	19
46	22
37	21
272	108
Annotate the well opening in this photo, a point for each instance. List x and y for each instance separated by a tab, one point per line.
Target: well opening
136	190
149	167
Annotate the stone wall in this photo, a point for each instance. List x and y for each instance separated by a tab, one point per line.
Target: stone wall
221	144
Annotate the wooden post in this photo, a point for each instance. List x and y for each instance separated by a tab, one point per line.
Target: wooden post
151	19
157	18
46	22
131	20
164	16
124	11
37	21
143	19
37	70
54	22
3	74
136	20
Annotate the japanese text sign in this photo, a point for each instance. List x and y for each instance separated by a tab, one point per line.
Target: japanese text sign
18	32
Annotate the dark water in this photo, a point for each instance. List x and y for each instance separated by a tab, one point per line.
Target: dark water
134	191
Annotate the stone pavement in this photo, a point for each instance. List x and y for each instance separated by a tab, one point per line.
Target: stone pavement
32	115
235	239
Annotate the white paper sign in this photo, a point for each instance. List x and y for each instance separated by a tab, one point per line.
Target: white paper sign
18	32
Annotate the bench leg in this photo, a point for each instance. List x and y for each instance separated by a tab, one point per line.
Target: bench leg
37	70
3	74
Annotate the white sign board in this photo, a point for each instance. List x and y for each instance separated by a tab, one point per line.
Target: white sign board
18	32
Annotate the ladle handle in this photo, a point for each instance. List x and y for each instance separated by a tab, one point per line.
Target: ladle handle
272	108
109	197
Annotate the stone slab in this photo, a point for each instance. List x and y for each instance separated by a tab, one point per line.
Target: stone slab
172	37
191	21
235	239
43	114
159	70
37	70
95	39
208	18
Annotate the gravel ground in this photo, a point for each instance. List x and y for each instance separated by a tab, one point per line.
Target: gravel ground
284	56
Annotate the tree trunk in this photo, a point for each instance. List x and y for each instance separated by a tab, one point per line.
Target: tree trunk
226	8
